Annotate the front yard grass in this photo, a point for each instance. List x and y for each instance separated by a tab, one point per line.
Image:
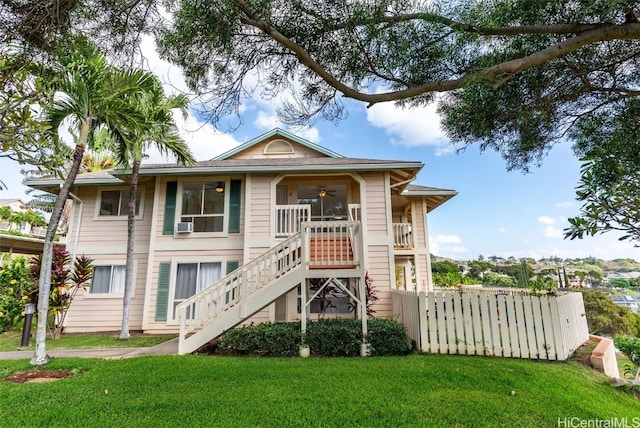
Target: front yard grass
10	341
416	390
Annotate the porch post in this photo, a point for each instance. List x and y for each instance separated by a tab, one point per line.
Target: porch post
304	347
364	348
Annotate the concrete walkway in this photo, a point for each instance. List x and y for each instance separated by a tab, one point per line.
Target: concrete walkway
166	348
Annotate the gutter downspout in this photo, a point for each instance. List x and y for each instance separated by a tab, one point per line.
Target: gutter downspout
76	236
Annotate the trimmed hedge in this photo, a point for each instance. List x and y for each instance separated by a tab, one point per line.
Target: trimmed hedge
388	337
277	339
328	338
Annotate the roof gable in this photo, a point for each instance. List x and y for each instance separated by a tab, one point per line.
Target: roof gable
277	143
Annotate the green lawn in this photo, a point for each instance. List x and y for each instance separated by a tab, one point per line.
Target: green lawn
10	341
417	390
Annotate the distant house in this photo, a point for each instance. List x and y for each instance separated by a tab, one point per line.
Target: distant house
630	302
16	205
12	244
263	232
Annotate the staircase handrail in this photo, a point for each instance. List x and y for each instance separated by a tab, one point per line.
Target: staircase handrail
237	285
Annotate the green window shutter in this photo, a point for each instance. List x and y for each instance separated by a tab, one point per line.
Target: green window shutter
231	266
170	208
234	206
162	300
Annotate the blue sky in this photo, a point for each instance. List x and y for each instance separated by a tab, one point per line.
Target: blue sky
495	213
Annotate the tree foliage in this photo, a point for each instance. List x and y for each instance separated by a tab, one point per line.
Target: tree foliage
606	318
609	184
24	137
37	28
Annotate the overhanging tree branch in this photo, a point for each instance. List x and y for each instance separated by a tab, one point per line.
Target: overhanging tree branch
502	70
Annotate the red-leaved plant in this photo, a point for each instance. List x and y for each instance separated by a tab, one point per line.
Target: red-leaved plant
66	280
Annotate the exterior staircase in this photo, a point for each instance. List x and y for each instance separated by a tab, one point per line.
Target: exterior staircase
256	284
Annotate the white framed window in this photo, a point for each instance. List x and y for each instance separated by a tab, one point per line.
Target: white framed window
107	279
112	203
204	203
192	277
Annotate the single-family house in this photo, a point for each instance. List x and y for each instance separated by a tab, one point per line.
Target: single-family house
274	228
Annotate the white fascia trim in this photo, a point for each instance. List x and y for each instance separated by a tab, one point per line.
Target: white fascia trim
279	168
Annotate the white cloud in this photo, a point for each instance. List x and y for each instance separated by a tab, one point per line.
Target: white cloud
267	120
447	246
502	230
546	220
447	239
551	230
417	126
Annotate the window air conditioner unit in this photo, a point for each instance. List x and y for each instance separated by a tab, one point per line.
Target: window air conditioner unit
185	227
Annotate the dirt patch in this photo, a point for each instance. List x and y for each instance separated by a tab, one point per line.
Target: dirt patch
582	355
37	376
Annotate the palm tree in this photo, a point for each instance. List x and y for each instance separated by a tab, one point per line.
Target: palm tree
5	214
19	218
35	219
161	132
92	95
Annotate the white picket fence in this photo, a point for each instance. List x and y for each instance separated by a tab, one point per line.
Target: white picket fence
517	326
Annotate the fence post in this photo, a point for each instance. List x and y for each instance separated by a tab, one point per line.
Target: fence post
422	321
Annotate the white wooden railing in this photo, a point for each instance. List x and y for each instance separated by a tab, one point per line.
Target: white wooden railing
234	288
332	244
36	232
39	232
354	212
289	217
402	236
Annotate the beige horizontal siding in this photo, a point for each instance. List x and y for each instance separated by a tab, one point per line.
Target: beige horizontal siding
379	268
376	207
257	151
101	313
104	234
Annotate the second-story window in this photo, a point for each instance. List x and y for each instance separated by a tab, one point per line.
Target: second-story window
114	202
203	205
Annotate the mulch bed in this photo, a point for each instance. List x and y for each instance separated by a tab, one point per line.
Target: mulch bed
35	376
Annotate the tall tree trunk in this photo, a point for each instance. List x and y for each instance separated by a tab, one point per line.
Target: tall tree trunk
40	356
128	276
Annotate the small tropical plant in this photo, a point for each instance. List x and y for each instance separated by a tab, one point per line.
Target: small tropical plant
542	284
630	346
66	279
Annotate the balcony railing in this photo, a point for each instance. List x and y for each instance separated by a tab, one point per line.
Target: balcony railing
289	218
402	236
332	244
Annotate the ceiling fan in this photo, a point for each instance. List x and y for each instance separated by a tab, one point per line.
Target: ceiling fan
323	191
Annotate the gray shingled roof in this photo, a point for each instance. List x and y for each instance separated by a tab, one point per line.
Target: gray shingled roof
277	163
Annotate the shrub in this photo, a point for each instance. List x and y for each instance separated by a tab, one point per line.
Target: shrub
278	339
329	338
16	289
388	337
334	337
